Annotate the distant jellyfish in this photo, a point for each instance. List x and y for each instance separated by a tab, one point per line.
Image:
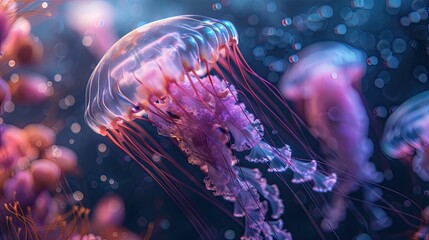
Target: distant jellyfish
109	212
94	21
21	46
12	12
321	82
7	17
86	237
184	78
406	133
108	216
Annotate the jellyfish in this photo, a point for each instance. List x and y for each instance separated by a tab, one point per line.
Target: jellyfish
21	45
405	133
108	216
13	10
322	83
185	79
93	21
7	16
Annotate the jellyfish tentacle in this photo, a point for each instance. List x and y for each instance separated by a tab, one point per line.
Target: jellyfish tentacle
269	192
279	160
421	163
206	146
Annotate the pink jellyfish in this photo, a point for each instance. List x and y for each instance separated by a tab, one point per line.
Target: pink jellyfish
185	76
15	30
321	81
21	45
93	21
8	15
406	133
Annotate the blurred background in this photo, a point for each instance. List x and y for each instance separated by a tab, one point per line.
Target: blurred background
66	46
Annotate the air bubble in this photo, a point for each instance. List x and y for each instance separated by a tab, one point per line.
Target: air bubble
216	6
420	73
379	83
393	3
286	22
383	44
164	224
326	11
418	4
358	3
399	45
380	111
293	59
414	17
271	7
259	52
229	234
405	21
392	62
340	29
297	46
423	13
373	60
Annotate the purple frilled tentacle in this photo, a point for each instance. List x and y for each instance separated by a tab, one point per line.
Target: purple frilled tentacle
208	123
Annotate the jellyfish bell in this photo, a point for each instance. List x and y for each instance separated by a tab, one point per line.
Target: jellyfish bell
185	75
340	63
109	211
161	53
406	133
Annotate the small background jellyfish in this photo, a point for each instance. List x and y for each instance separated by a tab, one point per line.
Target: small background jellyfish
321	83
94	22
13	11
180	75
392	33
406	134
21	47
